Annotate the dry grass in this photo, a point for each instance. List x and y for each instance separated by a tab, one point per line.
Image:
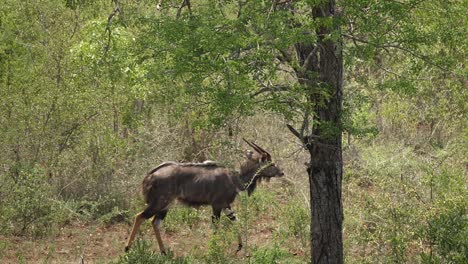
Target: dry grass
385	196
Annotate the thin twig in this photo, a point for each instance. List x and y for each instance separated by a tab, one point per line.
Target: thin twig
276	88
295	132
307	61
109	21
398	46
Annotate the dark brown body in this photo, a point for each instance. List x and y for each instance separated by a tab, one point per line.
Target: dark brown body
196	184
192	184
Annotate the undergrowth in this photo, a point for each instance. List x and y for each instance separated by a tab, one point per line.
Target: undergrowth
402	204
405	207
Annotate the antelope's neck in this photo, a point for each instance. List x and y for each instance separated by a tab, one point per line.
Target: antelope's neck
247	174
237	180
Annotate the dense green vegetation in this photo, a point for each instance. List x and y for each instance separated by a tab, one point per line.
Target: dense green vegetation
95	94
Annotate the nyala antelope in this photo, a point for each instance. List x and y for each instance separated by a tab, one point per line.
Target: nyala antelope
196	184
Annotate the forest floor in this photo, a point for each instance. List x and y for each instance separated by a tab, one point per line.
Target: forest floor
100	243
95	243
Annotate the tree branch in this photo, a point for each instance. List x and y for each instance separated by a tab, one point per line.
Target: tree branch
308	60
398	46
109	21
295	133
305	123
277	88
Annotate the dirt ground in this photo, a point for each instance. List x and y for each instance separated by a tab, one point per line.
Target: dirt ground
84	242
94	244
90	243
101	244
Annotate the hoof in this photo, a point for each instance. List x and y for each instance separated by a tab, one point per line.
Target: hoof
163	253
239	247
127	248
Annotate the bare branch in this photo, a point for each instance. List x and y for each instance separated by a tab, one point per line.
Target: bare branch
308	60
278	88
69	133
109	21
295	132
305	123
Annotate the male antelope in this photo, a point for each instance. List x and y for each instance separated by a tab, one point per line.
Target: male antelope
196	184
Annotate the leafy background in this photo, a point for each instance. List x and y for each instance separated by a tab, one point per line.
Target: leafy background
89	104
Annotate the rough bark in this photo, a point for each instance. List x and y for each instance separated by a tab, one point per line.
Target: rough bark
324	143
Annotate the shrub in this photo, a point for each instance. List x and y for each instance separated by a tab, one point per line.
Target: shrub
297	219
217	247
447	231
141	253
262	200
270	255
29	206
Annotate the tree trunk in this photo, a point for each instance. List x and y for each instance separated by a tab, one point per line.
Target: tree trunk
324	143
325	172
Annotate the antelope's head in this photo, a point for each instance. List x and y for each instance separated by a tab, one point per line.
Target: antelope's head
261	159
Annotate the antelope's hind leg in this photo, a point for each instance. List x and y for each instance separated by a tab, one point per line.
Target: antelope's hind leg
136	225
157	220
139	218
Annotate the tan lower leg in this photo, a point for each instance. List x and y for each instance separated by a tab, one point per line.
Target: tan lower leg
136	224
156	228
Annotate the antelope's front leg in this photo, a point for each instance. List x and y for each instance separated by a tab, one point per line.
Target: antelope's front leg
216	215
230	214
